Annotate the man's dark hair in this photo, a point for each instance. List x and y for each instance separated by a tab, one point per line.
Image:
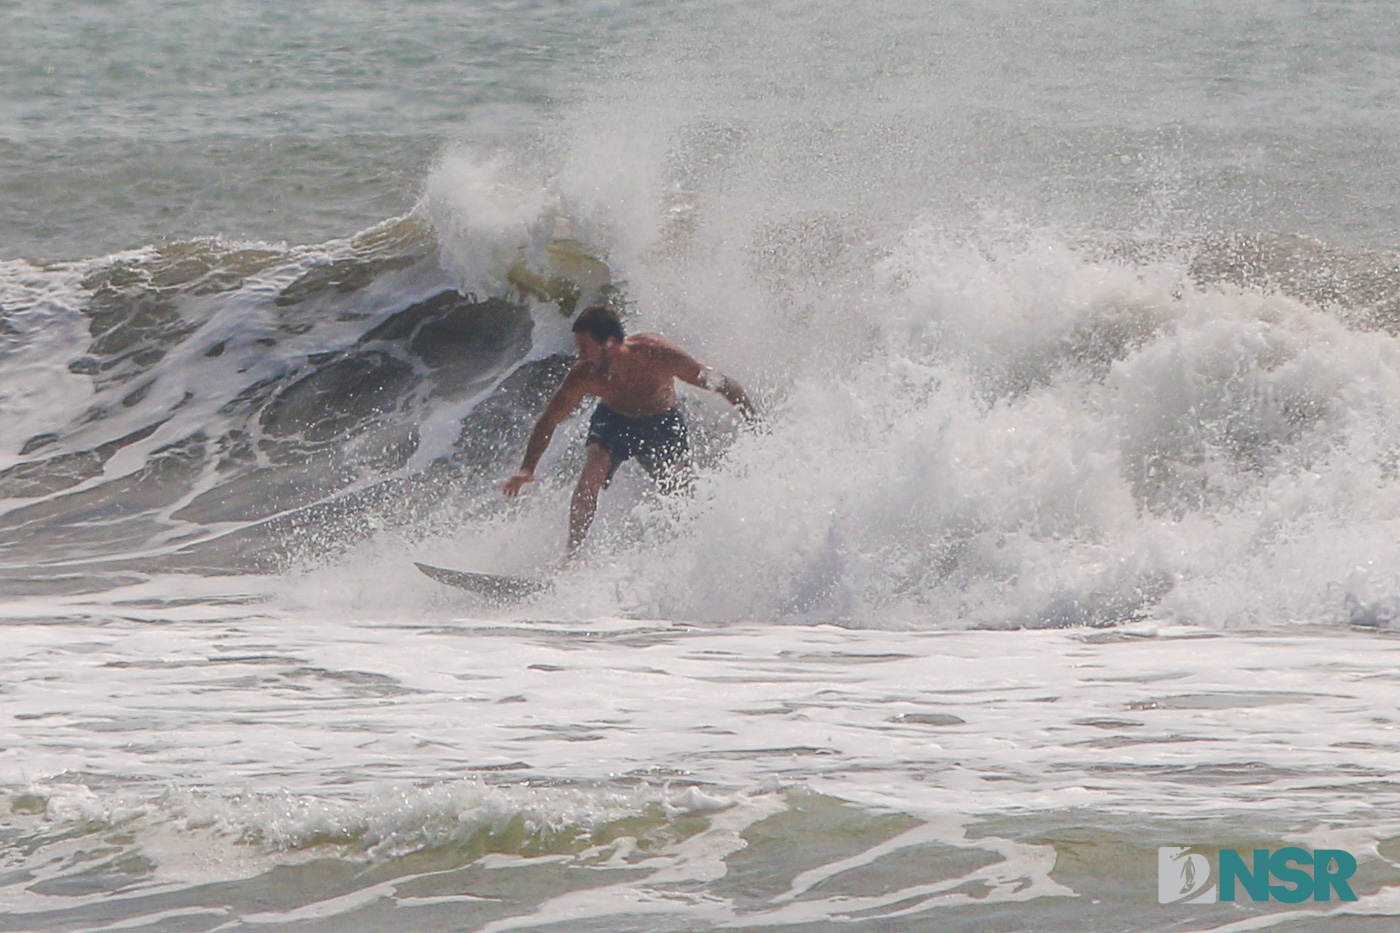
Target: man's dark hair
599	322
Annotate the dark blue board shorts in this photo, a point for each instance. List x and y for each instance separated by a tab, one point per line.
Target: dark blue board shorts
658	442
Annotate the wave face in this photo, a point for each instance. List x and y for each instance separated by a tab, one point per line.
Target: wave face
222	407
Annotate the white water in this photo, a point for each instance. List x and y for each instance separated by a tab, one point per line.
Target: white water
220	747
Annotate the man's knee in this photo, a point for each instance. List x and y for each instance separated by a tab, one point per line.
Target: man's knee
597	469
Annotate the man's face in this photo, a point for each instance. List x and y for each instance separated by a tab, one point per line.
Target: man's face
589	349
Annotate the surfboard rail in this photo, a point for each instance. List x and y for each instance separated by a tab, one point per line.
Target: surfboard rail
492	586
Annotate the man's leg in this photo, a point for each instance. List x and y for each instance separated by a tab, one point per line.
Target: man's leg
597	465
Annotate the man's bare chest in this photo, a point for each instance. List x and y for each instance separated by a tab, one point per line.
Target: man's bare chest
634	391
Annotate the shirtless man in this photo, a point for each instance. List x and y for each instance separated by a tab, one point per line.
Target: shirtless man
638	413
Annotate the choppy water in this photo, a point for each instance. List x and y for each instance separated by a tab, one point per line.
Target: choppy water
1070	530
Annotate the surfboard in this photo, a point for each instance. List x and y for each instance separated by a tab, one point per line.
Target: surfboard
491	586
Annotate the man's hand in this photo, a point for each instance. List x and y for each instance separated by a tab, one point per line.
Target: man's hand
512	486
735	395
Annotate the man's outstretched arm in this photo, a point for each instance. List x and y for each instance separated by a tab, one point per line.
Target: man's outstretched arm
565	400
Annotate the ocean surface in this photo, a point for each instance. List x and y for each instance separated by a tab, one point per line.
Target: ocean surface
1070	531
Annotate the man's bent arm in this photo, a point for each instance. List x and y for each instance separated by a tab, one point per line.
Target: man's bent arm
734	394
690	370
726	386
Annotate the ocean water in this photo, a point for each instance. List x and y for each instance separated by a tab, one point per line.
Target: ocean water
1071	529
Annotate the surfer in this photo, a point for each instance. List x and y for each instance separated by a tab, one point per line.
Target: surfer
638	413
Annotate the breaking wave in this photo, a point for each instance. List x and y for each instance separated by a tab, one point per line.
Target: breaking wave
1004	427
